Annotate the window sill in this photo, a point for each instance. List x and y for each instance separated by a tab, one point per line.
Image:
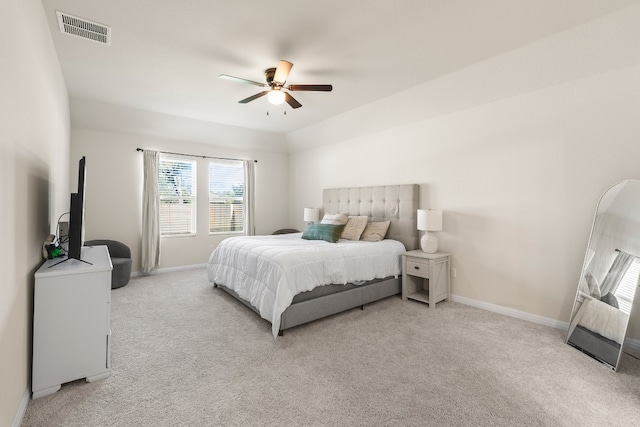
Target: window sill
171	236
219	233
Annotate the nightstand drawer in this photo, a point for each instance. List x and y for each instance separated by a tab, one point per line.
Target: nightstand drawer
417	268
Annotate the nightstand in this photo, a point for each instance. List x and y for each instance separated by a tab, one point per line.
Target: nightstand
425	277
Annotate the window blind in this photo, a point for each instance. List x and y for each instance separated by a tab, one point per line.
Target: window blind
627	287
177	188
226	196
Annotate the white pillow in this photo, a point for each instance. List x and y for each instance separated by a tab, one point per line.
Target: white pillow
594	287
335	219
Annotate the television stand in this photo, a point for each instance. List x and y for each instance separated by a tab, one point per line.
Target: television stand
71	321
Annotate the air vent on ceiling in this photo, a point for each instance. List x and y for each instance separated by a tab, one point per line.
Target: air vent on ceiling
81	27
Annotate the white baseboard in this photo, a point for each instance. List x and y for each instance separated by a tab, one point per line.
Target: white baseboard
169	269
17	420
534	318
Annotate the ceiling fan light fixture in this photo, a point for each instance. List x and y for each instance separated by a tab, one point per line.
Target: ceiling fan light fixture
275	96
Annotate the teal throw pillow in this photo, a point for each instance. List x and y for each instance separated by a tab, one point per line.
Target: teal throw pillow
328	232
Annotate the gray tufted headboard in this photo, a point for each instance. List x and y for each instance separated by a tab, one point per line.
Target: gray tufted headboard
396	203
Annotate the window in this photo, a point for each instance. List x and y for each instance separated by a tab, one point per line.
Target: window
226	196
177	187
627	287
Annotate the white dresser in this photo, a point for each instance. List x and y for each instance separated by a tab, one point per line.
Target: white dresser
71	321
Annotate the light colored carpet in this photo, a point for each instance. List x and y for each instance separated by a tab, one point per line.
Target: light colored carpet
186	354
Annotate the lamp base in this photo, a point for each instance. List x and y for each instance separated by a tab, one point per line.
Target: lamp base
429	243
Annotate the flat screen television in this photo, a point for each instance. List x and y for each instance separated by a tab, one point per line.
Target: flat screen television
76	214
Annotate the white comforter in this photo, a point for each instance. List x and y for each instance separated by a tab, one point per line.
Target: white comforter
603	319
268	271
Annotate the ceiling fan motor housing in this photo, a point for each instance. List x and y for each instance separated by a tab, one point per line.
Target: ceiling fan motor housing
269	73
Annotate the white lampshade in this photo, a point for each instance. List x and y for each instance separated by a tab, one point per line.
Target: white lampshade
429	220
276	96
311	214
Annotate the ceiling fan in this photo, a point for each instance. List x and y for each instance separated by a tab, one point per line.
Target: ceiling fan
276	79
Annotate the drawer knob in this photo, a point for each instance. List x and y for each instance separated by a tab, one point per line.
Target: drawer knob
416	267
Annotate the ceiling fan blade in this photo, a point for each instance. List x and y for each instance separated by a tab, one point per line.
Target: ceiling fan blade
282	72
256	96
291	100
241	80
317	88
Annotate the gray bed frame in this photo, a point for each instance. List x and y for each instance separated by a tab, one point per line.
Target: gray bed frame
596	346
395	203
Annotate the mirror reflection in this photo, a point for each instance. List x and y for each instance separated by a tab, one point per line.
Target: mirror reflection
609	277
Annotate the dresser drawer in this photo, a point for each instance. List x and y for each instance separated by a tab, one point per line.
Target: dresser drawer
418	268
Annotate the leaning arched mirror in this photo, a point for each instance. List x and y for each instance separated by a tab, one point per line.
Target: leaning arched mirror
609	277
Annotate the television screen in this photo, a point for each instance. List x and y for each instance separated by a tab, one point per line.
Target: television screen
76	214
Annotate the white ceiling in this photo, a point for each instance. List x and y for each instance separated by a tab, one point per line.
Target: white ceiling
166	55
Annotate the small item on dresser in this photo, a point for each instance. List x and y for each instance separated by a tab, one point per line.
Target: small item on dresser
51	250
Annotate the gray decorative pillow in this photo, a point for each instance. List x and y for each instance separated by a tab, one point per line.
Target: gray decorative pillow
610	299
375	231
354	228
335	219
327	232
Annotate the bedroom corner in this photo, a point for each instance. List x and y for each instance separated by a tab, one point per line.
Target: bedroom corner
34	163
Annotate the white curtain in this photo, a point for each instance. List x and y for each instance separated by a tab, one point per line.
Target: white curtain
620	265
249	198
150	212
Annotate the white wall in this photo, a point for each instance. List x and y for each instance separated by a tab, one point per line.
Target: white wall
114	188
34	153
515	150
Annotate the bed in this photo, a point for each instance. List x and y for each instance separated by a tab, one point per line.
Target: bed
598	329
281	292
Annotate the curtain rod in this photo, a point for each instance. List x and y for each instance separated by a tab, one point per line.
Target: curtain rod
191	155
618	250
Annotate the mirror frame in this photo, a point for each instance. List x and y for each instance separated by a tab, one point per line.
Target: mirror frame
581	299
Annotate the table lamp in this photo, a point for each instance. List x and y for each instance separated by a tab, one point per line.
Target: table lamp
429	221
311	215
